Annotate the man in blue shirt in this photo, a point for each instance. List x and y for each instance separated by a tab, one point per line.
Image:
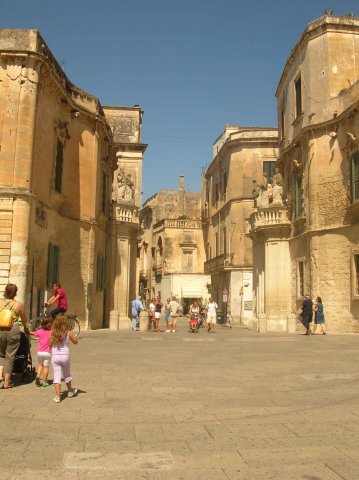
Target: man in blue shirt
136	308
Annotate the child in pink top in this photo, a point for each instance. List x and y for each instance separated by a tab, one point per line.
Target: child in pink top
43	351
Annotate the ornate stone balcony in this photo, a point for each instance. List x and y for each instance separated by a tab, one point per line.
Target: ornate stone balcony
219	263
268	218
175	223
127	214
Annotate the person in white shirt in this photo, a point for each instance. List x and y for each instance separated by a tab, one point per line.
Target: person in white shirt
211	308
174	312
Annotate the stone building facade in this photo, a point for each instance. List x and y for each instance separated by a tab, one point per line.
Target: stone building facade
124	224
240	157
309	243
171	253
58	157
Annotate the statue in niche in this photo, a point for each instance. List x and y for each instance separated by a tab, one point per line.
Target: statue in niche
125	187
277	195
263	199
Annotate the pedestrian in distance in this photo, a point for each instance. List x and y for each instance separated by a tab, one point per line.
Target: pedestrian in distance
43	351
158	310
167	313
152	308
211	309
307	313
174	312
60	297
59	342
10	337
193	317
319	316
136	309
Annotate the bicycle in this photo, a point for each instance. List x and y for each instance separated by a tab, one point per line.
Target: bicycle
74	323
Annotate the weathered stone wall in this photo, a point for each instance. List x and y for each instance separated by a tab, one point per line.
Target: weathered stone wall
318	147
40	107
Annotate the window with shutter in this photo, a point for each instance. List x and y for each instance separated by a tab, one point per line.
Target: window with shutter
354	177
100	274
59	165
298	196
298	97
53	264
268	168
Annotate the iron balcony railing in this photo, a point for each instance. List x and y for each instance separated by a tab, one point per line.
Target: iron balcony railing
221	262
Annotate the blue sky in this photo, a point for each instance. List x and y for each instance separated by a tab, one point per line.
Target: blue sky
192	65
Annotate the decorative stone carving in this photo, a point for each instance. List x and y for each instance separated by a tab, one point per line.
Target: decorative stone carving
62	131
352	138
297	167
125	188
40	216
277	188
263	199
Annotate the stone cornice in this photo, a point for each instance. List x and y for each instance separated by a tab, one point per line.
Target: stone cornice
333	122
314	29
52	74
242	142
131	147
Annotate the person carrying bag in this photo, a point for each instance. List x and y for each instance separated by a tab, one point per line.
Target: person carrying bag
12	321
6	316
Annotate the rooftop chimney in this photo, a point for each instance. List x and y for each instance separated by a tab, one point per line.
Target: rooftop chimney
181	183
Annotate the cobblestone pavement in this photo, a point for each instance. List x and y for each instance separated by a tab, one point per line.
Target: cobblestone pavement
233	405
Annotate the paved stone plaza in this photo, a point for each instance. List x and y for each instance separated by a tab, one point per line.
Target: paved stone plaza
232	405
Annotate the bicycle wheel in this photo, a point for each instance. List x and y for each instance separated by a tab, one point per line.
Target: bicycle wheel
74	326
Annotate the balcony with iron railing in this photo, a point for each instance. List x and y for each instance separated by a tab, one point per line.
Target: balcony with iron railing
219	263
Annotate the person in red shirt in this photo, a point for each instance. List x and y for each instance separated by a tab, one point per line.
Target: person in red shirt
60	297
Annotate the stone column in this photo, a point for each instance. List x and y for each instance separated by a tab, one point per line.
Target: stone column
122	274
20	246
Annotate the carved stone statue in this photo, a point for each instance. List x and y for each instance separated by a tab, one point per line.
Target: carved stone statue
125	188
263	200
277	187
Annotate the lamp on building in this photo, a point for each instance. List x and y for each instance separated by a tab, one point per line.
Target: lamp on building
75	113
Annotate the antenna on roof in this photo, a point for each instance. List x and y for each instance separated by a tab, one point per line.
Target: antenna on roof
328	12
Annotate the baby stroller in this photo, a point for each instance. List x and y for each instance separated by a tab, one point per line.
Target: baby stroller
202	318
193	323
23	359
